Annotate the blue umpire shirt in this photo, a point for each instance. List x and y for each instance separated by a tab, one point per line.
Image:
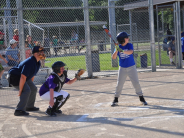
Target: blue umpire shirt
28	67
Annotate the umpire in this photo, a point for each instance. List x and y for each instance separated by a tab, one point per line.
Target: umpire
21	77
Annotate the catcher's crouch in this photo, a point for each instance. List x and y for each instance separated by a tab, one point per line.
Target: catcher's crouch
51	89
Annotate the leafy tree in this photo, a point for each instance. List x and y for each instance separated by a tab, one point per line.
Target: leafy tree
167	19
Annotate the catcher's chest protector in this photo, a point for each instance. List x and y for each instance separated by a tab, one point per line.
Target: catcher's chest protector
59	80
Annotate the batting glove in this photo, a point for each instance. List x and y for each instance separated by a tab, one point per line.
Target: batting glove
119	49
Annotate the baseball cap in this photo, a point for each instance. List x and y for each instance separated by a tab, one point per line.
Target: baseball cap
182	34
1	33
37	49
13	41
172	38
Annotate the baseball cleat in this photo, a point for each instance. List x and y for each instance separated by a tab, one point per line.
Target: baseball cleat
145	103
58	112
143	100
115	102
49	112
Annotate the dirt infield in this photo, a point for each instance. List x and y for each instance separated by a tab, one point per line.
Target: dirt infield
88	112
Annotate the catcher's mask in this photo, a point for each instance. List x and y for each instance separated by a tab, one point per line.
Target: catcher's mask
57	65
39	49
121	37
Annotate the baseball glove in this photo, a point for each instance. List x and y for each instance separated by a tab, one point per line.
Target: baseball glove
79	73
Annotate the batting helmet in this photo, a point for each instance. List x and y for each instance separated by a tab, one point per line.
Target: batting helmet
182	34
57	65
121	37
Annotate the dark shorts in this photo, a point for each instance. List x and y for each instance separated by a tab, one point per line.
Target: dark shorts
168	53
1	67
183	55
14	79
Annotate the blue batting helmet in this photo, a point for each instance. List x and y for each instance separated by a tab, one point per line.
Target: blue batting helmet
182	34
121	37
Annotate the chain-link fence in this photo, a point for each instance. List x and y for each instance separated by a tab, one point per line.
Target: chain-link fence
71	31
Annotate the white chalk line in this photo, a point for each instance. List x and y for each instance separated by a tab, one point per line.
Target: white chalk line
82	118
98	105
134	110
140	111
151	121
24	128
85	119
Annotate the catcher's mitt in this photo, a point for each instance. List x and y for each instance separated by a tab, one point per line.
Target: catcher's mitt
79	73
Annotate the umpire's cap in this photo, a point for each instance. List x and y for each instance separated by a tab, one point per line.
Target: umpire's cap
37	49
121	36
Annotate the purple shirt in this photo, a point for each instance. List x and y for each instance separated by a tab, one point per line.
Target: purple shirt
49	82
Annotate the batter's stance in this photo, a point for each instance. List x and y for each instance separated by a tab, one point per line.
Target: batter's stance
126	67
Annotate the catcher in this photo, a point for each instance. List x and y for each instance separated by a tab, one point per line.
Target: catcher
51	89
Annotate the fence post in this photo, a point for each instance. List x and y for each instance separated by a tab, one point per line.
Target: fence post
178	36
112	29
87	39
162	22
4	29
21	29
158	38
8	18
130	21
152	35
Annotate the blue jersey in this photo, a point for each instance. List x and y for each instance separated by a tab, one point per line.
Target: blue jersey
28	67
125	60
182	44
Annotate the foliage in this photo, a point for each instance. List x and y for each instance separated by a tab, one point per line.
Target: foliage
168	17
48	16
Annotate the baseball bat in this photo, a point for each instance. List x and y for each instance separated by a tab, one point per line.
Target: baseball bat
108	33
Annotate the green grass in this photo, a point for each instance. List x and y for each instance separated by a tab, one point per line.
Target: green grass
76	62
72	62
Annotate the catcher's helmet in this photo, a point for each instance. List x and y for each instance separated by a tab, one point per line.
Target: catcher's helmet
57	65
121	37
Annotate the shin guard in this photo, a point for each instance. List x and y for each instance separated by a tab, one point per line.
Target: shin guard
57	102
64	101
